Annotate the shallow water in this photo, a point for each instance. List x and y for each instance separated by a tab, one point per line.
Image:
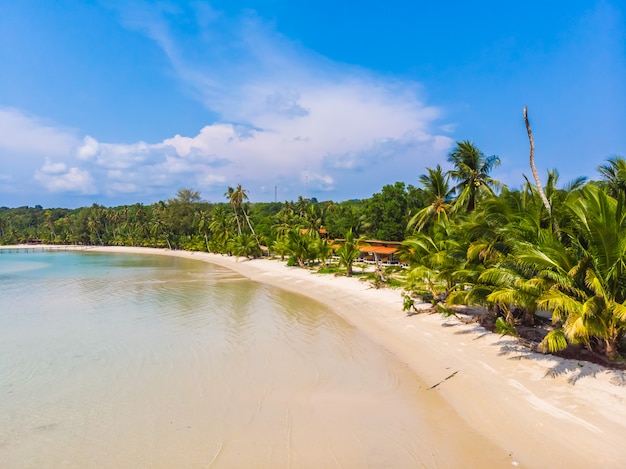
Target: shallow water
148	361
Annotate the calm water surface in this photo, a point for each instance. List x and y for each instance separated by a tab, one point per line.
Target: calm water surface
151	361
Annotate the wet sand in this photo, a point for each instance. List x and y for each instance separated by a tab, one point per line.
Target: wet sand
490	403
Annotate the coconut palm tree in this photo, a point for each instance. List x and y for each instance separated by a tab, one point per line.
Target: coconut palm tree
557	199
300	245
614	176
204	223
324	249
503	229
349	251
234	197
237	197
438	193
245	245
221	228
471	171
587	295
434	260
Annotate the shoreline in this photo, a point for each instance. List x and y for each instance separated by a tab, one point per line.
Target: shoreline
535	408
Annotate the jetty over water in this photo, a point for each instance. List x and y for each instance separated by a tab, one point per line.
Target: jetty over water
27	248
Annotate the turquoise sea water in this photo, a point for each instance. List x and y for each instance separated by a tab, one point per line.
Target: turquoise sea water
111	360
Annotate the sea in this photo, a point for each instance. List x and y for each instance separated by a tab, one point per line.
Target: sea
132	360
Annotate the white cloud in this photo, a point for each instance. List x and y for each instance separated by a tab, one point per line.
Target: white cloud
72	180
88	149
287	118
24	134
53	168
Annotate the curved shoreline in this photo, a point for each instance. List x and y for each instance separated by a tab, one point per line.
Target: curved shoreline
533	407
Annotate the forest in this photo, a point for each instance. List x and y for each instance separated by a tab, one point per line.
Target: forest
553	248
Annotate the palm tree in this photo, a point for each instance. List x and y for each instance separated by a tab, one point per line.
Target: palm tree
221	228
349	251
614	176
471	171
503	229
237	198
300	245
158	225
204	223
533	167
587	293
437	191
324	249
556	197
234	198
245	245
434	260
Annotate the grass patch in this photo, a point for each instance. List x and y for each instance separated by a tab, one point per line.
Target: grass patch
329	269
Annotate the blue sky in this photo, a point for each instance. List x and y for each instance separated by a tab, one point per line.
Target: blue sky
118	102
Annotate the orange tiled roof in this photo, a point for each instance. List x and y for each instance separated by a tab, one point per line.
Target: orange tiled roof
378	249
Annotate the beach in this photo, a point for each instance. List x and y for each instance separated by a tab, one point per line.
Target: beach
502	405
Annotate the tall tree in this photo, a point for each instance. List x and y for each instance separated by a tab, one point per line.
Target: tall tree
533	168
387	213
233	197
437	191
471	172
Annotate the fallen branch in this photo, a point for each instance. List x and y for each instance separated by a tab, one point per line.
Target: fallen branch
443	380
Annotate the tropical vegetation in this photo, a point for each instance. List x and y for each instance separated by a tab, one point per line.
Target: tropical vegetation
555	251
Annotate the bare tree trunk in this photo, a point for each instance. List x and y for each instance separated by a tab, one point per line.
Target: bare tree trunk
258	243
237	218
533	168
380	273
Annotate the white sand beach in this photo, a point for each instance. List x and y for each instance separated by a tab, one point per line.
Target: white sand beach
523	408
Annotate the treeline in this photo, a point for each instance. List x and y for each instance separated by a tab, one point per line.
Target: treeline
188	222
466	239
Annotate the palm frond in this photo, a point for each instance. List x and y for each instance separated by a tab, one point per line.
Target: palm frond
554	341
504	328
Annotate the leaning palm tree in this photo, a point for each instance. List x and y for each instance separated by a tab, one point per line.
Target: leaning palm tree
237	198
438	193
471	171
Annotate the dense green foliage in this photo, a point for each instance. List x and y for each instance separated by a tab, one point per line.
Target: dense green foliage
465	240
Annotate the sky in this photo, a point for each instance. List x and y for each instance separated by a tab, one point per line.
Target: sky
119	102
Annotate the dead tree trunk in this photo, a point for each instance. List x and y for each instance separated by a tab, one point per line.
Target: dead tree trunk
533	168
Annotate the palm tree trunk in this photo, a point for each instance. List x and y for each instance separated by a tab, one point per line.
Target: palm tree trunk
258	243
611	348
237	218
533	168
379	269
